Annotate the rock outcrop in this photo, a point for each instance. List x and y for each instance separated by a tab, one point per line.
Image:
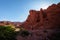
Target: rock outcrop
45	18
43	24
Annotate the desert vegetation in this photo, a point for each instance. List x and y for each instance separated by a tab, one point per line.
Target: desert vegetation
7	33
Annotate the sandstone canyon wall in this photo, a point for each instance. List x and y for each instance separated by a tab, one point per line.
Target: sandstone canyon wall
45	18
43	24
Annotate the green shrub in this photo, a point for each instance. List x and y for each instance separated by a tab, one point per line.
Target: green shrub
7	33
23	32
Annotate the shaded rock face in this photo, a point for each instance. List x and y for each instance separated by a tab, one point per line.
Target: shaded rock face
53	14
48	18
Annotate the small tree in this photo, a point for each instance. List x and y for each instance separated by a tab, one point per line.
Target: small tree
7	33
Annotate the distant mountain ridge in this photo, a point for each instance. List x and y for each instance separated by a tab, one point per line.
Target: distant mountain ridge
16	24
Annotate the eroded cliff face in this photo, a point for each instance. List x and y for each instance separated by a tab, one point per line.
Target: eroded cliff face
53	14
45	18
43	24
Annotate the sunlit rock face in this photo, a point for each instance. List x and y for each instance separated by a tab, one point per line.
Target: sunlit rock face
45	18
43	24
33	19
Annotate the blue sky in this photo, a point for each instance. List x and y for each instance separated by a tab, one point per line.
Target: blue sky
18	10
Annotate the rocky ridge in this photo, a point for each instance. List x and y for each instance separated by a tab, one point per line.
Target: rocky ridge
43	24
45	18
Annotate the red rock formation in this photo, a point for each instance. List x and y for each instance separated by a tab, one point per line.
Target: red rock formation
53	14
48	18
